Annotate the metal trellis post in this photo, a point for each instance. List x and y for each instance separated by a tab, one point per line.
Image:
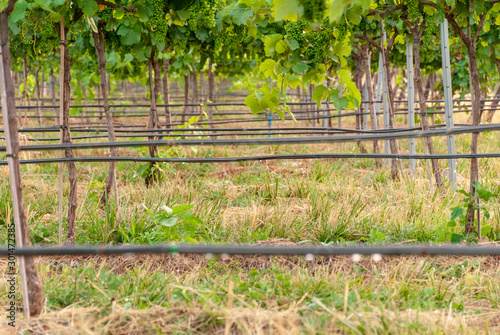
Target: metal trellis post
365	106
448	101
411	102
326	112
270	122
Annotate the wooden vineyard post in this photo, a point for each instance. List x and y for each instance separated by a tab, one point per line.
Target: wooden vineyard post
211	89
378	96
371	105
66	136
411	102
448	102
385	96
166	99
61	133
31	284
111	181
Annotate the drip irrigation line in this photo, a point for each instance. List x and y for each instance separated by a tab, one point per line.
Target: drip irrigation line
262	141
422	250
303	103
306	129
252	158
117	114
178	133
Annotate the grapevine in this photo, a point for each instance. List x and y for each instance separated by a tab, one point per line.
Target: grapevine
295	31
158	21
342	28
413	9
318	40
313	9
48	37
202	14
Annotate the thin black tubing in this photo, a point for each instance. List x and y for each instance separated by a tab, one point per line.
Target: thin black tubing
422	250
251	158
276	131
261	141
226	104
306	129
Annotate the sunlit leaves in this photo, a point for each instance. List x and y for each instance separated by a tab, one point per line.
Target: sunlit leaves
285	9
266	100
270	43
337	9
268	68
319	94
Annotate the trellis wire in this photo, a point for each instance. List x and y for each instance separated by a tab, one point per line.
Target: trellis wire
261	141
253	158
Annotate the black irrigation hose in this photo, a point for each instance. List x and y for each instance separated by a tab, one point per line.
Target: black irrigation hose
306	129
277	131
130	114
250	158
262	141
225	104
422	250
104	130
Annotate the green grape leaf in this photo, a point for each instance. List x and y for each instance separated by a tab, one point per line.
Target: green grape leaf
337	9
241	16
293	83
284	9
89	8
169	222
293	44
267	67
456	238
181	208
182	14
318	93
118	13
485	194
19	11
280	47
300	67
253	103
270	43
485	230
456	212
129	36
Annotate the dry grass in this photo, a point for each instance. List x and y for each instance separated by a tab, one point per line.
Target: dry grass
275	202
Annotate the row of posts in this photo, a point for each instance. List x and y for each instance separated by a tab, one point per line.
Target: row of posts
382	95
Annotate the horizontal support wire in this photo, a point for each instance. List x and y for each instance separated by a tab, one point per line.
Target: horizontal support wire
251	158
224	104
423	250
178	133
162	130
262	141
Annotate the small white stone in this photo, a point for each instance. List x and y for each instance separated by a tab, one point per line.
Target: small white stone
376	257
224	257
209	256
309	257
356	258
